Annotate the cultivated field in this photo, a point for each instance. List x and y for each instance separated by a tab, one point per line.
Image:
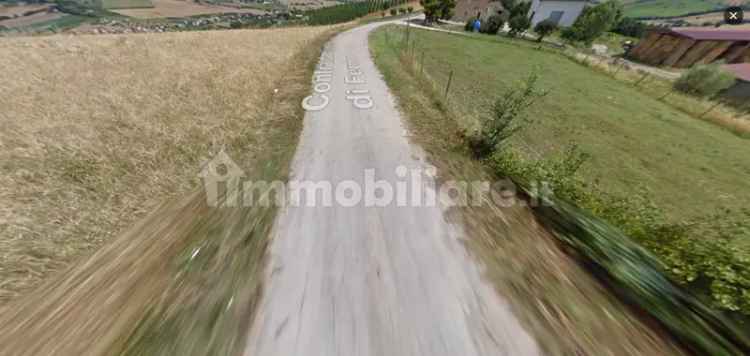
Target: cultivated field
638	8
181	8
699	20
125	4
17	10
32	19
98	130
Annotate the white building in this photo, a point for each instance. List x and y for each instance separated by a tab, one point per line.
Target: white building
564	12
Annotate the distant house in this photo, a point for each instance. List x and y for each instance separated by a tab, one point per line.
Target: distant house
472	9
684	47
740	92
562	12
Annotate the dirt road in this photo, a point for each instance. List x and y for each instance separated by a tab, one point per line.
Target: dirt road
371	280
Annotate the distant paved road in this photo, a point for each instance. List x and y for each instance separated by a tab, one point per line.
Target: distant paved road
380	281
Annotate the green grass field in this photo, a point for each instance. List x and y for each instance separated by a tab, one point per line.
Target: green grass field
689	167
670	7
643	149
63	23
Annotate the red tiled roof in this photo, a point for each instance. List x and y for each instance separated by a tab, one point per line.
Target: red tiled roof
741	71
712	34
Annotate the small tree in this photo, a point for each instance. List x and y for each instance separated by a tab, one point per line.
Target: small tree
401	10
545	28
517	15
705	80
492	25
594	21
631	27
410	9
506	117
518	25
437	9
394	12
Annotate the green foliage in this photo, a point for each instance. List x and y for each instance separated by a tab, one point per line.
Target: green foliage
81	9
394	12
704	80
401	10
599	238
593	22
492	25
506	117
437	9
410	9
518	14
700	253
469	25
545	28
518	25
631	27
341	13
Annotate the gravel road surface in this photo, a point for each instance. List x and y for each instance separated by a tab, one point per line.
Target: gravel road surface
371	280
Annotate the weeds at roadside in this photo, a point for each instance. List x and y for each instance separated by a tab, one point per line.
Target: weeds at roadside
506	117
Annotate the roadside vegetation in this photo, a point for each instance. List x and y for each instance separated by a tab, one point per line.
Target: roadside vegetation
704	80
671	182
560	302
104	176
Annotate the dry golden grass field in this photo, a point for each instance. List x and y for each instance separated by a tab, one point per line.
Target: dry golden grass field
98	131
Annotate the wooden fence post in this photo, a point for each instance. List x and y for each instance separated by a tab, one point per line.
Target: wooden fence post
421	64
448	86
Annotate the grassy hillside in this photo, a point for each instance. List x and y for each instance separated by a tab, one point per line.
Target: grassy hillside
655	161
560	302
689	166
98	132
661	8
643	8
639	148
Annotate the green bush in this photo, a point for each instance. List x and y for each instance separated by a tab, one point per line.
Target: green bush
699	254
492	25
518	25
394	12
704	80
593	22
437	9
401	10
410	9
631	27
506	117
545	28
